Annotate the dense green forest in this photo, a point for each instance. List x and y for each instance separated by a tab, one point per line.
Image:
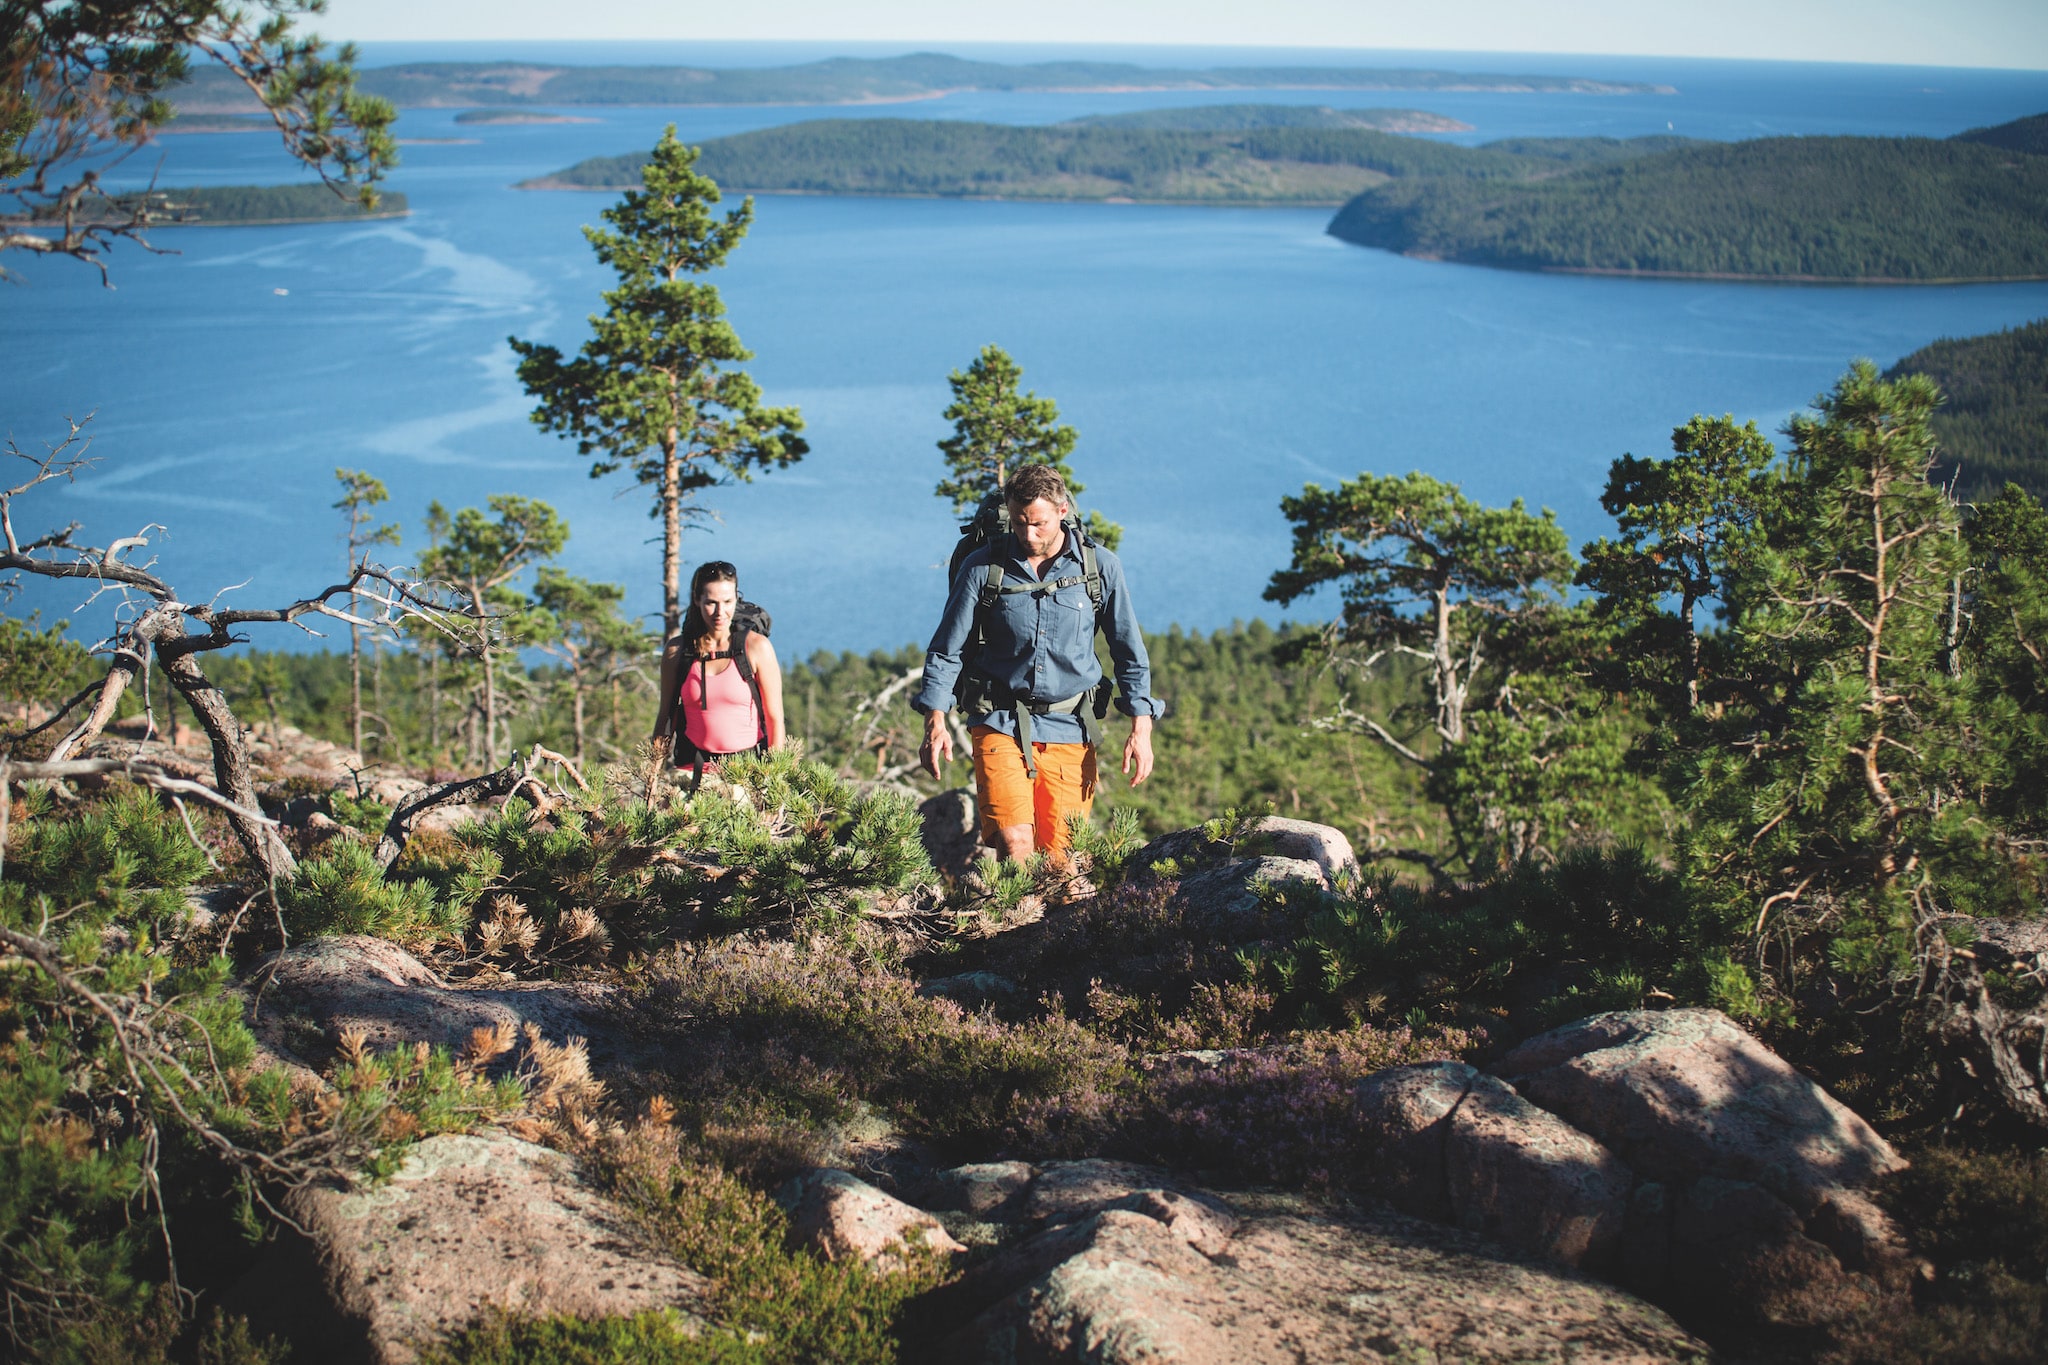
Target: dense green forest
918	156
1811	208
1994	426
852	80
1210	118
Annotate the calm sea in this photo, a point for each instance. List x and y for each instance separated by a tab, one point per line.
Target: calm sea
1213	360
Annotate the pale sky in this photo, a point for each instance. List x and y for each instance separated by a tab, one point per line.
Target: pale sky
2000	33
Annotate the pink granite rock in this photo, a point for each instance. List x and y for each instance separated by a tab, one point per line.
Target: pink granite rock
842	1217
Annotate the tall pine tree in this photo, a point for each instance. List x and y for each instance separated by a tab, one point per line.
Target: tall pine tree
654	389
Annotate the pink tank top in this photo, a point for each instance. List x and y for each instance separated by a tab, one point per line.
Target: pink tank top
730	723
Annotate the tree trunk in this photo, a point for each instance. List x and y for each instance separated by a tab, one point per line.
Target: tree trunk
119	674
1450	693
576	686
355	684
476	599
231	776
671	534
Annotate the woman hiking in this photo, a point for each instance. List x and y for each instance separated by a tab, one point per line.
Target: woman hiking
720	674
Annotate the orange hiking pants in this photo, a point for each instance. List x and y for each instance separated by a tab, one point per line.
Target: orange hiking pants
1007	796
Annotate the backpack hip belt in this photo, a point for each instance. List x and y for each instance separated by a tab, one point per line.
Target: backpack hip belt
1087	707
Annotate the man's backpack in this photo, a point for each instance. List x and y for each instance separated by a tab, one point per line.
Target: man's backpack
747	616
975	692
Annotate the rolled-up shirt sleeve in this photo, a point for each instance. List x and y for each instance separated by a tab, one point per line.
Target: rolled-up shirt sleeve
942	656
1127	654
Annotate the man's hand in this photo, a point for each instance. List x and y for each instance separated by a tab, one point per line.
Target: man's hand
1138	750
938	745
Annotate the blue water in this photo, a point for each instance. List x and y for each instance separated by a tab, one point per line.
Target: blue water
1214	360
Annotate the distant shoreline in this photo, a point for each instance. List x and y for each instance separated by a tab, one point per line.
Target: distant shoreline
559	187
1725	277
283	222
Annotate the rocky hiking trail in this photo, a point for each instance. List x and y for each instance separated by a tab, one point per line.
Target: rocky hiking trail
1576	1200
1579	1199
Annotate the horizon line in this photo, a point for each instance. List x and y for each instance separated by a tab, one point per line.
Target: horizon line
936	46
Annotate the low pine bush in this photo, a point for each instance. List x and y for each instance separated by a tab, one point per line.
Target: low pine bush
345	892
1599	929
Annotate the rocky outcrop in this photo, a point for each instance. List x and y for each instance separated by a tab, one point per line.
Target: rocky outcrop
467	1225
1219	882
1764	1175
1279	837
1669	1150
313	991
1122	1265
842	1217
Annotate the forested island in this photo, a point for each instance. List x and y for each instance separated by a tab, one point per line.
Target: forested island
1802	208
240	206
1994	426
1296	165
854	80
2021	135
1237	117
251	205
517	116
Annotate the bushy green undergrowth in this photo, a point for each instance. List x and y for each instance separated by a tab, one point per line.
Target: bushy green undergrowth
786	1305
778	840
121	1142
1600	929
657	1337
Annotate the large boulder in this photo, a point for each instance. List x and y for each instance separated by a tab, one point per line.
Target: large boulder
1752	1180
842	1217
1120	1273
325	986
1680	1094
1223	900
468	1225
1277	836
1454	1143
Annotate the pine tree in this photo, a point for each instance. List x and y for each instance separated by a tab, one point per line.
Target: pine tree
653	390
359	493
481	557
589	635
998	430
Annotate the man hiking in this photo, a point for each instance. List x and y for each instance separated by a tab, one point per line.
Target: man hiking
1021	618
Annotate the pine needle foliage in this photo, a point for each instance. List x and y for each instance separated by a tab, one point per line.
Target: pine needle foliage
656	390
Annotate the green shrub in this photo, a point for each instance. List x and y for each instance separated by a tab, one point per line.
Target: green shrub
1600	929
659	1337
784	1305
345	892
82	1133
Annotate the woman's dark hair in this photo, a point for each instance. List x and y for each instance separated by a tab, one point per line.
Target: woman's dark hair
714	571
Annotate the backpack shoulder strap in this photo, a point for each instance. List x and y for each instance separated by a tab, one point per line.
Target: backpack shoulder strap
740	661
1091	574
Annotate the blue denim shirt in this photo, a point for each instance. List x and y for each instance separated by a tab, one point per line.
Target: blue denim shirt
1040	645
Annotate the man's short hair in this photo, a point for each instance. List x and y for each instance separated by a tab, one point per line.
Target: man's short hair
1035	481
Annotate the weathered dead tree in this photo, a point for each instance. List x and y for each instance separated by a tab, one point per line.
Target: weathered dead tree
2000	1045
521	774
156	622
